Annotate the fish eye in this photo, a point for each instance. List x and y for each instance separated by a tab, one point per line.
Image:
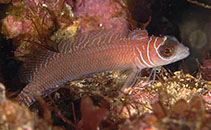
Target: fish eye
168	48
166	51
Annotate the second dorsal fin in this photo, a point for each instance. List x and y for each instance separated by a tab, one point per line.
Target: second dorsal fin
35	62
137	34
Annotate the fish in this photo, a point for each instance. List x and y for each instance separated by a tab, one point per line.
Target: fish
94	52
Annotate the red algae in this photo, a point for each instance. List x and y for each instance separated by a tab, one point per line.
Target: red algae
29	22
101	14
14	27
91	117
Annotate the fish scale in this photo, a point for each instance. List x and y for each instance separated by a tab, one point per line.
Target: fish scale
95	52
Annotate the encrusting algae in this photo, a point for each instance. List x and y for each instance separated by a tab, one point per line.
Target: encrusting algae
169	100
15	116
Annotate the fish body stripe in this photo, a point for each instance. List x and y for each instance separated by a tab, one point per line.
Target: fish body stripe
82	41
96	38
63	46
138	34
142	58
87	54
148	51
88	39
73	65
138	63
36	64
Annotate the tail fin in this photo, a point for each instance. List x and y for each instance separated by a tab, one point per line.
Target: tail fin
28	96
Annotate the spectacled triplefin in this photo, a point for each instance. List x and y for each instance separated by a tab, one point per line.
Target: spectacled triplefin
94	52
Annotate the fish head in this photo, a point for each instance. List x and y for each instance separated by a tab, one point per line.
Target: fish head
168	50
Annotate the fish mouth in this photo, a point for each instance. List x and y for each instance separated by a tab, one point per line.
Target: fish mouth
182	54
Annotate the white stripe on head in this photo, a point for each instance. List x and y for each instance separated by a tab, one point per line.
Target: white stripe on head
139	64
143	58
137	61
156	39
148	56
156	48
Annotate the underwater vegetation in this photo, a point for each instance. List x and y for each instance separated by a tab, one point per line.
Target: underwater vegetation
177	97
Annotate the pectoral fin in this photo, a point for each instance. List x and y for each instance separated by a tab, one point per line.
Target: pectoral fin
132	79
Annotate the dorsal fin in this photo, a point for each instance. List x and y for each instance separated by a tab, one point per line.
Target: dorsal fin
96	38
138	34
88	39
34	62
